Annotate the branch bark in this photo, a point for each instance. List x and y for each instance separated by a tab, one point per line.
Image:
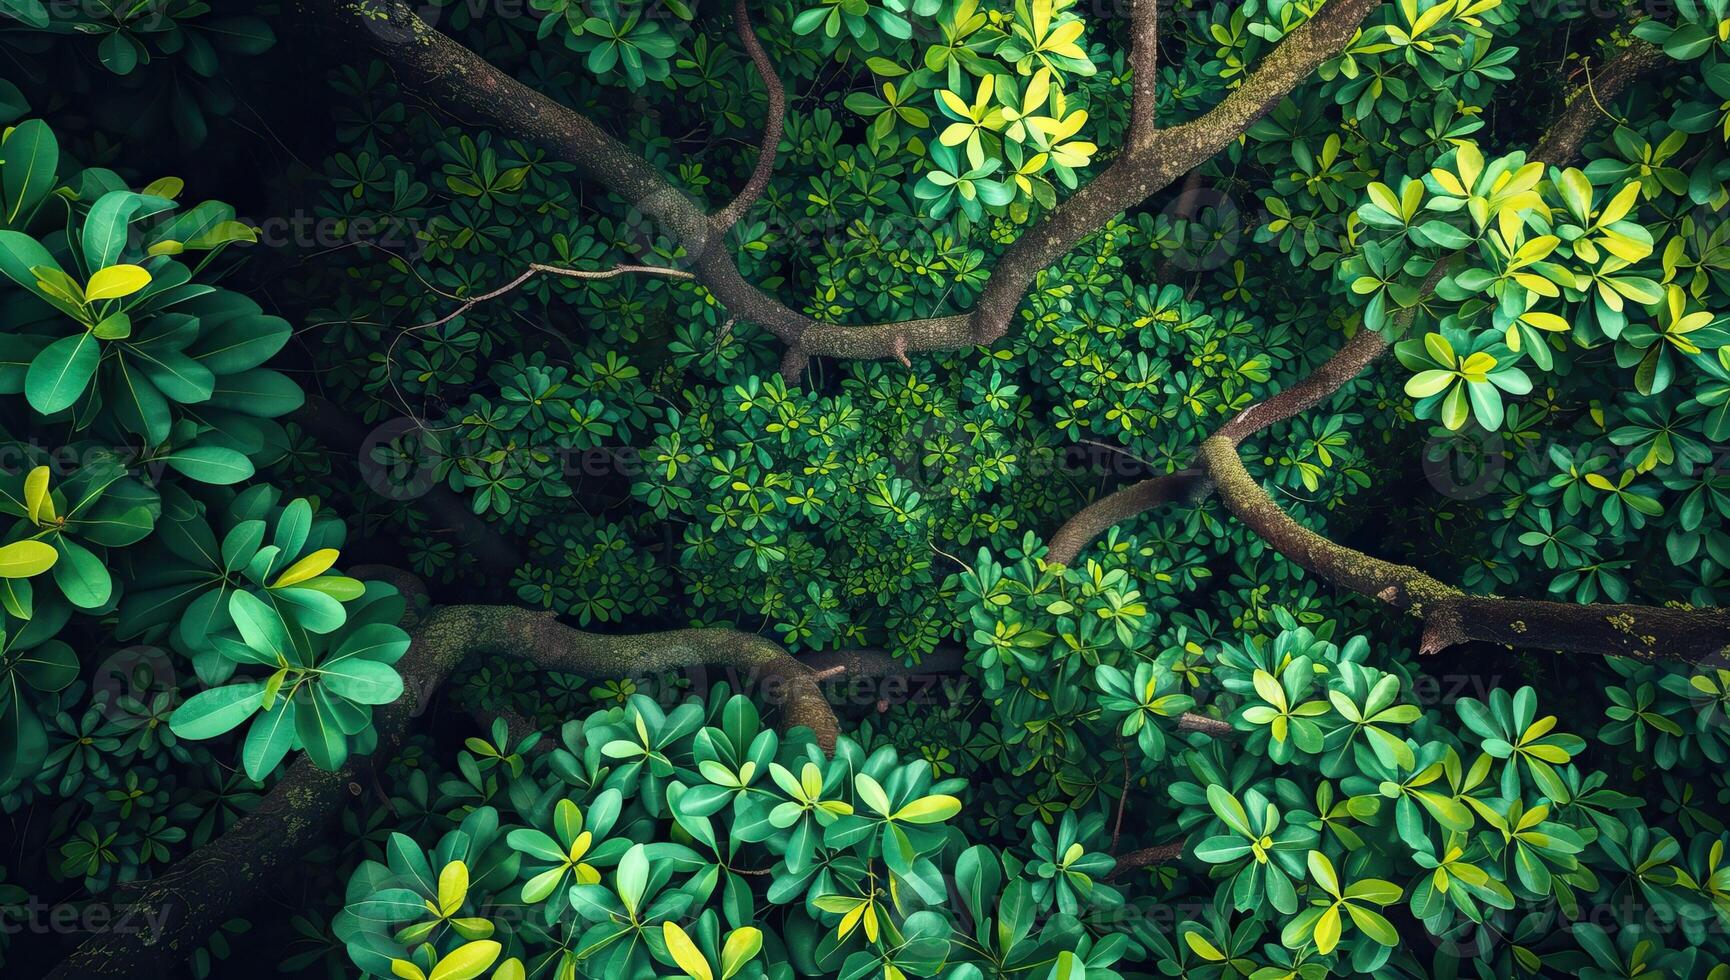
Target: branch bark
204	888
1147	857
1100	516
457	78
1566	134
1450	616
773	122
1144	68
1559	146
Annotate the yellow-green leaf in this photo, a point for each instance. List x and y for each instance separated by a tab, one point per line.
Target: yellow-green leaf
453	887
1202	948
38	502
115	282
467	961
685	952
930	809
742	945
22	559
310	567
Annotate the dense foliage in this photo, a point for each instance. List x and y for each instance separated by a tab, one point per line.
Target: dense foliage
1169	741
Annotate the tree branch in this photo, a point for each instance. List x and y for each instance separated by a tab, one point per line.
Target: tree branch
456	77
1147	857
1565	135
1559	146
1450	616
1144	68
1100	516
201	890
773	122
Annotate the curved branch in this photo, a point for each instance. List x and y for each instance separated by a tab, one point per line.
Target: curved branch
185	903
1559	146
1450	616
457	77
773	122
1100	516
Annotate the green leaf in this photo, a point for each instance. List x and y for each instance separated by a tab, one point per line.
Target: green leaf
60	374
268	741
213	712
32	157
362	681
217	466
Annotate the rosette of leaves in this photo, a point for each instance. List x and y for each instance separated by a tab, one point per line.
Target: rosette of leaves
1341	905
113	333
1261	851
1456	384
422	908
322	686
1510	730
618	37
1152	692
282	554
570	854
1069	874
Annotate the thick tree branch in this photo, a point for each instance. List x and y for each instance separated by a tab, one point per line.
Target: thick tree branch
207	886
1559	147
1100	516
459	79
1450	616
1583	107
1147	857
773	122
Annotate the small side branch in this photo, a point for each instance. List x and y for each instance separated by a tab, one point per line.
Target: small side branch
1147	857
541	269
1144	68
773	122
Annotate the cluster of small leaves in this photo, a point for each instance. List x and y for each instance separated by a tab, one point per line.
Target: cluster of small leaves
696	842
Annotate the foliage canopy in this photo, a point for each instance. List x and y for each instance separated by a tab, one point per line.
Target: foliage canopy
902	488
